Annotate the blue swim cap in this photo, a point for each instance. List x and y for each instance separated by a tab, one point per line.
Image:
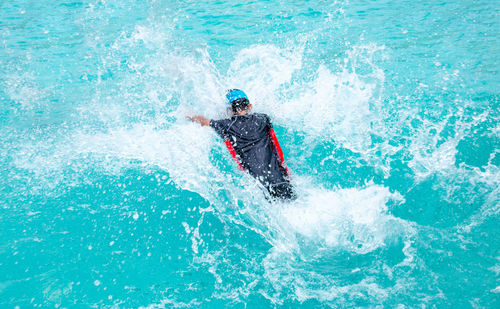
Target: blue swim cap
235	94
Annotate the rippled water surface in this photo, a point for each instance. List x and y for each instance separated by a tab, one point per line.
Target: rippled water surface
387	112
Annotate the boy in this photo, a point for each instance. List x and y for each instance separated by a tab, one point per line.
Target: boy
252	143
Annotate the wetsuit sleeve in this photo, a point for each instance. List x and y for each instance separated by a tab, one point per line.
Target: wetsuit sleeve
220	126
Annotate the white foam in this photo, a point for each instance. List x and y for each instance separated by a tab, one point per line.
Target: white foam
351	219
261	69
23	89
183	150
365	287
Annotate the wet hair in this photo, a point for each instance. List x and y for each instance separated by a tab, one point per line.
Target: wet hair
239	105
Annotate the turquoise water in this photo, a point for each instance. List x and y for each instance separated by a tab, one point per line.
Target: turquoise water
387	112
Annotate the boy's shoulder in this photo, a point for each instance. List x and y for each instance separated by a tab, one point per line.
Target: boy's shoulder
261	115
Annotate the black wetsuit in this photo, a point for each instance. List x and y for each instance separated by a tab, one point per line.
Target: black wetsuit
249	135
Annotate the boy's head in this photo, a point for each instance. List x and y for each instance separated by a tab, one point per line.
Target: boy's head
238	101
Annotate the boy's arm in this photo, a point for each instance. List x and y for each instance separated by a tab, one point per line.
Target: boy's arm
219	126
199	119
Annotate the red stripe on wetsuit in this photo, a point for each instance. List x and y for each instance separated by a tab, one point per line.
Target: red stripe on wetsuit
278	150
233	153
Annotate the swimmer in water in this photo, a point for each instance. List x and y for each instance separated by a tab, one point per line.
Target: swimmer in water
252	142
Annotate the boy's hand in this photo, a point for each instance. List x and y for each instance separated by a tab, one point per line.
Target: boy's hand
199	119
